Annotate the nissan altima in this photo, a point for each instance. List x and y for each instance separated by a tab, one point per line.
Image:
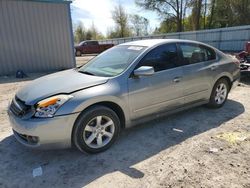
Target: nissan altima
88	107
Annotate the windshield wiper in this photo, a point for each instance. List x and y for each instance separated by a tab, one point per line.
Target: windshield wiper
86	72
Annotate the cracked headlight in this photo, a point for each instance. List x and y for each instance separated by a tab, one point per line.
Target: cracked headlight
49	106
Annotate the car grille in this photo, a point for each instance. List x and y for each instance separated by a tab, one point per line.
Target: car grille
19	108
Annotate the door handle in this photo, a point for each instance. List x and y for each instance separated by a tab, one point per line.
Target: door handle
177	79
214	67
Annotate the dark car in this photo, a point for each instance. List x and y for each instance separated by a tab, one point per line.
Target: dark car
91	47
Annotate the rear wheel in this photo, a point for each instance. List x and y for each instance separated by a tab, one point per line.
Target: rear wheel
96	129
219	94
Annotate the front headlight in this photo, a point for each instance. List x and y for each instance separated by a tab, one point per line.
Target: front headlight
49	106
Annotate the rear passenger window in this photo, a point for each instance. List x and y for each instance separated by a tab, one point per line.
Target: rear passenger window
161	58
94	43
195	53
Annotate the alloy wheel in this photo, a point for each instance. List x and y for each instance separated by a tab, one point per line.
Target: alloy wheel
221	93
98	132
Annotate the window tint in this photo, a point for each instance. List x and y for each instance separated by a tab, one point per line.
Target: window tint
92	43
161	58
194	53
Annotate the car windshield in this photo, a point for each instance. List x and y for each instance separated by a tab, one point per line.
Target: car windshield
113	61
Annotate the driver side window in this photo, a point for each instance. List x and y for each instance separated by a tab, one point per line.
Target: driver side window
161	58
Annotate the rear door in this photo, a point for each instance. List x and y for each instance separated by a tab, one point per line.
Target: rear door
197	60
95	47
162	91
91	47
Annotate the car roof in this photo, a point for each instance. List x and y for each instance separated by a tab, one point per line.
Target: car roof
153	42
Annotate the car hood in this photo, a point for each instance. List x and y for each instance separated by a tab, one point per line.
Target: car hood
58	83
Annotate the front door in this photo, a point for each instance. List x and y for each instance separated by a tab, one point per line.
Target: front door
161	91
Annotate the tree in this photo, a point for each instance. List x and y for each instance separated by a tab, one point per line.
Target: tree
139	25
166	26
223	15
196	13
112	33
171	10
207	13
233	14
120	18
80	33
242	11
89	35
95	34
211	14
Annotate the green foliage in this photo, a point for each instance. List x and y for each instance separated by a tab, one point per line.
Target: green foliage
171	11
187	15
166	26
175	16
113	33
228	13
81	33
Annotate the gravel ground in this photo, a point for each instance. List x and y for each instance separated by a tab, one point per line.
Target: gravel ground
199	147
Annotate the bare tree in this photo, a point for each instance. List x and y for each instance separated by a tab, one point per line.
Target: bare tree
139	25
120	18
168	9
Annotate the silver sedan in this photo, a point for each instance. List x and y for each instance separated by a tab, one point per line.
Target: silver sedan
130	83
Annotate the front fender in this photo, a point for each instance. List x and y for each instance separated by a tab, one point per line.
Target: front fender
101	93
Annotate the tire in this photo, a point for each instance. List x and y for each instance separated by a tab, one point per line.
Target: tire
96	129
78	53
219	94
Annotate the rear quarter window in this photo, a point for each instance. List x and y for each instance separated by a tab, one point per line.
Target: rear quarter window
196	53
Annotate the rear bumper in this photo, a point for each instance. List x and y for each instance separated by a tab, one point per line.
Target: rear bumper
50	132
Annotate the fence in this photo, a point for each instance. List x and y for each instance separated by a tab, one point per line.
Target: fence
231	39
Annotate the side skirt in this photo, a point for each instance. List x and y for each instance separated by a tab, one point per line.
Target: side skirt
163	113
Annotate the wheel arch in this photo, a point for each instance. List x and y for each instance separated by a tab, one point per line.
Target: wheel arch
112	105
227	78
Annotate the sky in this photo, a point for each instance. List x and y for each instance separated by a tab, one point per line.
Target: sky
99	13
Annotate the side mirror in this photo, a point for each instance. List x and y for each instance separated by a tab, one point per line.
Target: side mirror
144	71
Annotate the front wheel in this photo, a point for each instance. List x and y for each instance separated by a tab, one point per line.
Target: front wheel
219	94
96	129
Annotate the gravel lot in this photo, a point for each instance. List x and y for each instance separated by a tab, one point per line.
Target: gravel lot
199	147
